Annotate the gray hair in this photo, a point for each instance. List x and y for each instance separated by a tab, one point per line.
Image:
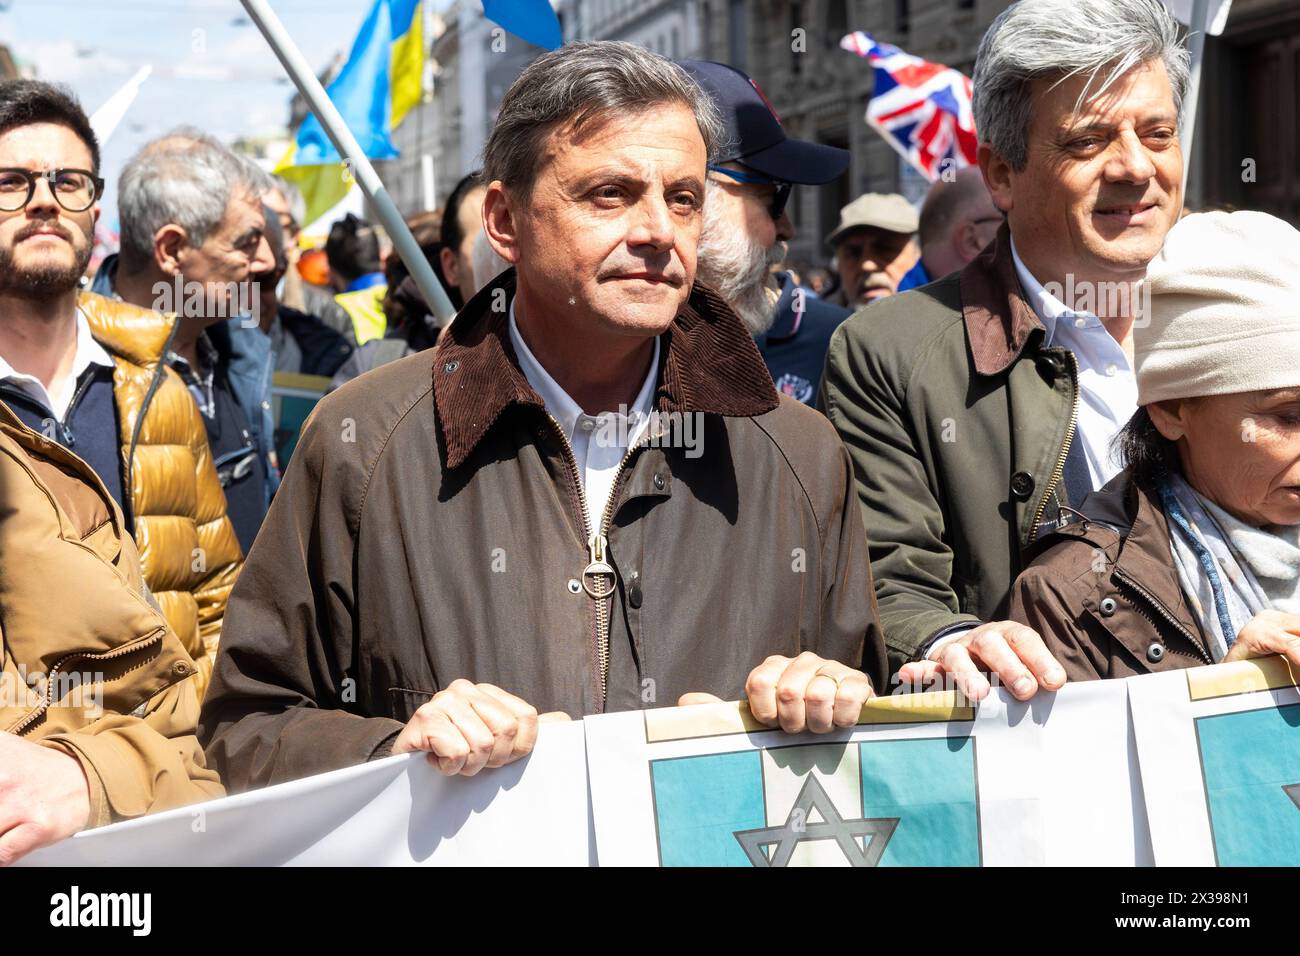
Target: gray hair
185	178
579	83
1060	39
293	197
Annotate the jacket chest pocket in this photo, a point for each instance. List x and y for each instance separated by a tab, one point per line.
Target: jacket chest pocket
403	702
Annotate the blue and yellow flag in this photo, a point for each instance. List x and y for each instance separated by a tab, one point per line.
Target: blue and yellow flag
377	87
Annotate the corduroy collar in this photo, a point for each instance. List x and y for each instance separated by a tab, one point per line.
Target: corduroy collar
708	364
998	318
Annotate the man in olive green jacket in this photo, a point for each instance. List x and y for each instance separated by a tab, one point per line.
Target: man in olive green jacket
979	408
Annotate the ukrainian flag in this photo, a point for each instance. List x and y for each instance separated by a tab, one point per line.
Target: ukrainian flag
377	87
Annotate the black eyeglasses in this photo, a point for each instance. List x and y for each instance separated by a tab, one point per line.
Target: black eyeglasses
76	190
783	189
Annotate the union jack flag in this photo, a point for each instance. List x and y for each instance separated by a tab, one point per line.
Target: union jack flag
922	109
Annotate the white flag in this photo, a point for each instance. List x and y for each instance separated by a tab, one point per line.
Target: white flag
106	118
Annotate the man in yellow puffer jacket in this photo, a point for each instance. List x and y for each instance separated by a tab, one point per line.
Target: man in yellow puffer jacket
189	554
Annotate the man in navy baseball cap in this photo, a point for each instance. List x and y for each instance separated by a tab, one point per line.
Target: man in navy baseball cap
757	138
746	228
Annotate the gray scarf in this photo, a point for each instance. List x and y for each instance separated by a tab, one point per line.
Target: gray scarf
1229	570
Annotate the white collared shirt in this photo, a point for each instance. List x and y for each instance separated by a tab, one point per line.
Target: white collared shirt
59	397
1107	384
599	441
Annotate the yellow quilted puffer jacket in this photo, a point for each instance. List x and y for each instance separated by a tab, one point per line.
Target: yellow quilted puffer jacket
188	550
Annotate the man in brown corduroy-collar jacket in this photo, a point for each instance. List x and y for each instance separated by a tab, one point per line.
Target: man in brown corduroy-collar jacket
501	527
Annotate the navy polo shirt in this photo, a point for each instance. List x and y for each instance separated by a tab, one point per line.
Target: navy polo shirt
90	428
794	348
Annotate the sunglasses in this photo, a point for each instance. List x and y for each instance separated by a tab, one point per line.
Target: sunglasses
783	189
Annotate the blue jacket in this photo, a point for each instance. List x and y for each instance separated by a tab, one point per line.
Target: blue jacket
914	278
246	353
794	348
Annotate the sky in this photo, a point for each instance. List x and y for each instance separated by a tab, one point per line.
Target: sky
211	67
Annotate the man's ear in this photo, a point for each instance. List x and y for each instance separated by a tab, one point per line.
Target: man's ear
450	263
997	176
966	240
1169	417
169	245
500	222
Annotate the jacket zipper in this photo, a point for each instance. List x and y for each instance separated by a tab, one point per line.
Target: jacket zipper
23	725
82	387
598	568
1128	582
1059	471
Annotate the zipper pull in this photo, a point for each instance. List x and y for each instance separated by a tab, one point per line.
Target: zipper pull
598	577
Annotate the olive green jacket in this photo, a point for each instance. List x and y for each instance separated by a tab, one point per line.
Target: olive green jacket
959	423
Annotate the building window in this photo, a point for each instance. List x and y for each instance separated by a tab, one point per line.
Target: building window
738	35
796	22
902	15
677	52
837	23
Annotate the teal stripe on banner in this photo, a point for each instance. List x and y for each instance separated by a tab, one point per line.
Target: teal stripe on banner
1249	760
930	786
700	804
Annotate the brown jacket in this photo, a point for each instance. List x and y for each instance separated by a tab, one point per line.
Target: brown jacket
1104	593
188	549
430	529
72	604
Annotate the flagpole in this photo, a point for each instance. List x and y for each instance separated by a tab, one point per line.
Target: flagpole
404	244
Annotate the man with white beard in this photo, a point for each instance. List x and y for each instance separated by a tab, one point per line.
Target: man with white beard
746	229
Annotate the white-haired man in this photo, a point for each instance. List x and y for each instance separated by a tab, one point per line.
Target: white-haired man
980	409
746	228
194	244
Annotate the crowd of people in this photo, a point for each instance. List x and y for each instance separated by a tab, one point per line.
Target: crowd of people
1046	429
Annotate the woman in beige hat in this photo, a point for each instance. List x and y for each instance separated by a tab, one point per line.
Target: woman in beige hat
1192	555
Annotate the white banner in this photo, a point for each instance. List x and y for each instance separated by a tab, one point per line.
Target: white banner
394	812
1187	767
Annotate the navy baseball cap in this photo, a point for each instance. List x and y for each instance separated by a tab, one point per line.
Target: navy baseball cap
757	137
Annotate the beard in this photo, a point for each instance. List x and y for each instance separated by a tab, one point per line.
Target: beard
738	270
44	279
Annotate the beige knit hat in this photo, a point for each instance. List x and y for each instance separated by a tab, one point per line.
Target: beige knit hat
1224	313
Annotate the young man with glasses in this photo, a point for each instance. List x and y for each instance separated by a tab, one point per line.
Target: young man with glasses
746	229
88	373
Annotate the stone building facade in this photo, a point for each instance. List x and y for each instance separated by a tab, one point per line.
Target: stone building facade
1249	101
791	49
1247	143
668	27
